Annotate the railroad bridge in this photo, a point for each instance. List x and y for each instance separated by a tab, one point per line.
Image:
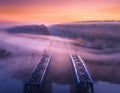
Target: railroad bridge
37	80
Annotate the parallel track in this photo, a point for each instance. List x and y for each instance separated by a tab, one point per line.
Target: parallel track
36	81
84	82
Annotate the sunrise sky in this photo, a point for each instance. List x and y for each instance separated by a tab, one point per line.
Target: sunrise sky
59	11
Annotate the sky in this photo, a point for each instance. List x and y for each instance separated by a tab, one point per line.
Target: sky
58	11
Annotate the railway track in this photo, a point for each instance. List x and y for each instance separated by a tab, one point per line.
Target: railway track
36	82
82	77
84	82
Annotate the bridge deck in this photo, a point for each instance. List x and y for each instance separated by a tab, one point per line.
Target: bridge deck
83	78
84	82
35	82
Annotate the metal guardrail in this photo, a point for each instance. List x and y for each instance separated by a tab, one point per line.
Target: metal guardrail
35	82
83	78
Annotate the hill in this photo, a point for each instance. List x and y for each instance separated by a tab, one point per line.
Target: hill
31	29
90	34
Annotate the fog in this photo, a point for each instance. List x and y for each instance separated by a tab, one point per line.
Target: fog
27	50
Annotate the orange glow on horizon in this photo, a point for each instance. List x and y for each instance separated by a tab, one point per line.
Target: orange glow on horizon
60	12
